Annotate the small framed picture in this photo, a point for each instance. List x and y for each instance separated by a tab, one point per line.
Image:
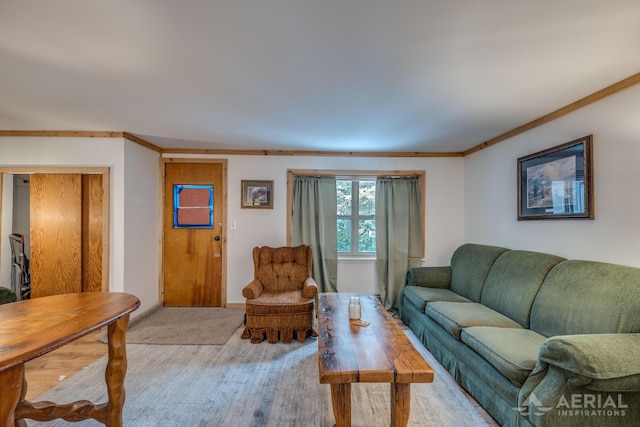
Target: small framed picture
557	183
257	194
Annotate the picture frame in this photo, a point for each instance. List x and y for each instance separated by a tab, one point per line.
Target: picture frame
256	194
557	183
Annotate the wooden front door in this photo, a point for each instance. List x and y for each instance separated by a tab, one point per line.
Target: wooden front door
193	252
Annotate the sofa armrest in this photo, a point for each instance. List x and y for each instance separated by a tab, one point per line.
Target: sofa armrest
252	290
600	363
429	277
309	288
596	356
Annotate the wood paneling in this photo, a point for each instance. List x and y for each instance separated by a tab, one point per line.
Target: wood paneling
56	234
92	223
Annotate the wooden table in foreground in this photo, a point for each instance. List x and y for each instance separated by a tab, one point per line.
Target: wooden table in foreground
379	352
31	328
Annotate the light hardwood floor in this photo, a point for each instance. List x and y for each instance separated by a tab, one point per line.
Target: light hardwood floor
44	372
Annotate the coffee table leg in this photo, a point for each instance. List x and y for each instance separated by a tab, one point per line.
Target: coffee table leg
341	401
400	404
116	370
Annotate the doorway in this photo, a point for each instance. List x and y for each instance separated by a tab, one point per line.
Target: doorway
194	238
63	217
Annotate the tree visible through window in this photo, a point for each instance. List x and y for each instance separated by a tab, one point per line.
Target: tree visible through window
356	216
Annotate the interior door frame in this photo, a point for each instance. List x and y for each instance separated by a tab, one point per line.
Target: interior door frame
106	191
223	272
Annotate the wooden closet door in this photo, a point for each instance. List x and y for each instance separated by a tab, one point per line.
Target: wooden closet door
56	234
92	227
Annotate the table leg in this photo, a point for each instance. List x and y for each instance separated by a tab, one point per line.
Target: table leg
11	381
116	370
341	401
400	404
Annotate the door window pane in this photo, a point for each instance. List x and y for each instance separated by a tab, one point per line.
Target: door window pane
193	206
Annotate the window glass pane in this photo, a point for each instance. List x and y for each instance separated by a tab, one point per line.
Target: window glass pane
367	198
193	206
343	190
344	235
367	235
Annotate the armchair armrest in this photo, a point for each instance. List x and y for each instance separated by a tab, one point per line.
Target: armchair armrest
429	277
309	288
252	290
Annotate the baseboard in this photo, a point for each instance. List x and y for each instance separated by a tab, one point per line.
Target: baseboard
236	306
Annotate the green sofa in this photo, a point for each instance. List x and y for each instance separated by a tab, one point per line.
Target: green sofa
536	339
7	295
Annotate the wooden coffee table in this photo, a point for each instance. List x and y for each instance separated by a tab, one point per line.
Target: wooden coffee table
31	328
379	352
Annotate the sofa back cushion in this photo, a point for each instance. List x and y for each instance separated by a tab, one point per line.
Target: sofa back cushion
470	264
282	269
514	281
587	297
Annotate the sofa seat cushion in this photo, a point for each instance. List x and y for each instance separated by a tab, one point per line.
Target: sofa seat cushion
455	316
513	352
420	296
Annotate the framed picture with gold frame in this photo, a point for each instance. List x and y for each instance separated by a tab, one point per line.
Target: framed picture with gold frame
256	194
557	183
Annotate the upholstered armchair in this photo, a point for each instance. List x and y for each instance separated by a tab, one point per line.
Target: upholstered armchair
281	297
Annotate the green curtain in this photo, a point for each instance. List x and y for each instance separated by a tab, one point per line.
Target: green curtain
314	224
398	240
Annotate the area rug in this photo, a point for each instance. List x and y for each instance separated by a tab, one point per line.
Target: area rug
241	384
183	326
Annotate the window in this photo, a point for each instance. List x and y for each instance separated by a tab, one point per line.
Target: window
192	206
356	221
355	206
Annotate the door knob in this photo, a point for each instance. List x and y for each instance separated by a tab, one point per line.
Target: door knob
216	238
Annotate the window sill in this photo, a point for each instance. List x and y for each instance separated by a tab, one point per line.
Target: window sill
356	259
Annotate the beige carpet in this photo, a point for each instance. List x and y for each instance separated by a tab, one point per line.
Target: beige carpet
241	384
183	326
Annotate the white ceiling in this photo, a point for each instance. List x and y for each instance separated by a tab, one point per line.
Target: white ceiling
336	75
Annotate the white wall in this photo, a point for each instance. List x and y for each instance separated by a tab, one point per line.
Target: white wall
470	199
142	213
614	235
5	228
103	152
21	209
259	227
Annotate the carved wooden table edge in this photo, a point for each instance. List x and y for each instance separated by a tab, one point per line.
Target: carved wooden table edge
13	406
338	355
